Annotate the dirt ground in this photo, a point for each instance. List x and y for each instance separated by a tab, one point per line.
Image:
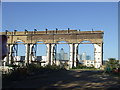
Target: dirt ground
72	79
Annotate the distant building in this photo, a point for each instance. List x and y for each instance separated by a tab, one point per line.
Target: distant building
62	55
65	56
88	57
88	63
62	62
44	61
19	58
80	56
85	59
38	58
84	56
57	56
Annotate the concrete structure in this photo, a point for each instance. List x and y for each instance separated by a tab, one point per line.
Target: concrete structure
58	62
62	55
88	57
83	56
88	63
44	61
51	38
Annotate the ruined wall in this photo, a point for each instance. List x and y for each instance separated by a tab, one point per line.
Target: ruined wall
71	36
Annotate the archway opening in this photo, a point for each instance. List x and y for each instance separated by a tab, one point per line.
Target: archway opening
41	53
19	53
62	53
86	53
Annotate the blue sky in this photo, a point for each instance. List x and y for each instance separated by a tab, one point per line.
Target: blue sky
62	15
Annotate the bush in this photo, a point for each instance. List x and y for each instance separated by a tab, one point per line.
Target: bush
53	67
80	66
32	69
17	74
111	65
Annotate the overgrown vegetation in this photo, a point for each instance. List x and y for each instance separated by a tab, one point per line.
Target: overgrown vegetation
80	66
112	63
112	66
21	73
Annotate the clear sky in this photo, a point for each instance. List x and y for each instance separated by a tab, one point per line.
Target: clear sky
62	15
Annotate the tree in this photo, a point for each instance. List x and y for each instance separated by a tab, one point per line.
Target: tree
112	63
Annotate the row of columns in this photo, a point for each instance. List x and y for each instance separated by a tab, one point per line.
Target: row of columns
98	54
73	54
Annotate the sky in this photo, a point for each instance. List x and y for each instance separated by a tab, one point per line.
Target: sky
62	15
60	0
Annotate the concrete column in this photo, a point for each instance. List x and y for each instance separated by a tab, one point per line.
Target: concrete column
33	53
75	55
48	54
30	53
4	61
52	54
102	52
27	54
71	55
7	57
10	54
98	55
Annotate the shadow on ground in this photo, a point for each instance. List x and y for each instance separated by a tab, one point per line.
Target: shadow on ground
63	79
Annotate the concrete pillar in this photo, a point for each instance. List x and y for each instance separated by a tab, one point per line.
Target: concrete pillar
27	54
71	55
7	57
98	55
102	52
33	52
10	54
48	54
52	54
75	55
30	53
